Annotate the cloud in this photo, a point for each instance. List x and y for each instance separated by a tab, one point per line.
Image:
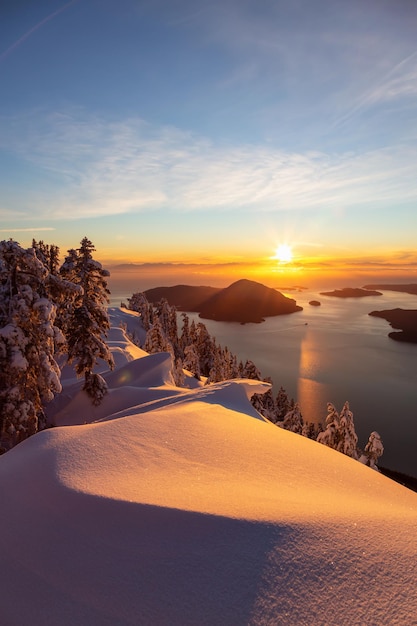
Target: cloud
397	84
26	230
94	167
34	28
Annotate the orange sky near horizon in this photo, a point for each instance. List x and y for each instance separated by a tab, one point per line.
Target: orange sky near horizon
309	272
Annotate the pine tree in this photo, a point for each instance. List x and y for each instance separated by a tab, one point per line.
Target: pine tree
29	374
373	450
339	433
330	436
251	371
185	338
204	346
139	303
217	372
191	360
293	420
88	323
282	404
348	437
156	340
264	403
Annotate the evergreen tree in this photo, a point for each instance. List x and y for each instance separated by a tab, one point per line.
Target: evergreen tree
139	303
88	322
282	405
185	338
311	430
348	437
168	318
264	403
29	374
156	341
293	420
251	371
48	254
373	450
204	346
217	372
178	372
330	436
339	433
191	360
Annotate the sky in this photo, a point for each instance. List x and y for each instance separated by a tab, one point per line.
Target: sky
203	135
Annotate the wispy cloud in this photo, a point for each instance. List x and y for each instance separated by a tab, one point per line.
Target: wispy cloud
398	83
26	230
34	28
94	167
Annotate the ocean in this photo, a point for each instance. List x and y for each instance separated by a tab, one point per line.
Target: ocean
333	353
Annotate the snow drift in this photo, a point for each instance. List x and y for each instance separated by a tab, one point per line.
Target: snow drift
184	506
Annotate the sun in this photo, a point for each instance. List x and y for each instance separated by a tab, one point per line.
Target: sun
284	253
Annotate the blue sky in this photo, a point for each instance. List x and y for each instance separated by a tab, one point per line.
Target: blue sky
207	132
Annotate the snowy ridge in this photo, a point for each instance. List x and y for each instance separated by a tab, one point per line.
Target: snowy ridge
183	506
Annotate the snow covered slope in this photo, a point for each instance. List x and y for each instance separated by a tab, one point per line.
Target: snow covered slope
184	506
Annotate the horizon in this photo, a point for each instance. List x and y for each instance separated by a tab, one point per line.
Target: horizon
214	136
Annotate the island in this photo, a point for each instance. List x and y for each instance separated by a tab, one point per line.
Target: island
315	303
405	320
402	288
244	301
351	292
184	297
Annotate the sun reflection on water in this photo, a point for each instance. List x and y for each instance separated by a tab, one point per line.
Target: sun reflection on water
311	394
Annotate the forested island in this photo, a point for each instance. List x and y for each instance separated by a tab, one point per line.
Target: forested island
404	320
351	292
244	301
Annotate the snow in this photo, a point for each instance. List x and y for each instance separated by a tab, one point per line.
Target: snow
184	506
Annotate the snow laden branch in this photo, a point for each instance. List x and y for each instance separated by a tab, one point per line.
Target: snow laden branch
44	312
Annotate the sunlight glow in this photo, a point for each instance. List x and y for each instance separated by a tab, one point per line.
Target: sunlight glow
284	253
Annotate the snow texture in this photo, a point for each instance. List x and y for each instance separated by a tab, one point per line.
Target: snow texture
168	506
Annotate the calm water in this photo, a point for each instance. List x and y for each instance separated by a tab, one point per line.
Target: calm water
333	353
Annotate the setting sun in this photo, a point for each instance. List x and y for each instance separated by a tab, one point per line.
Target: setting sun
283	253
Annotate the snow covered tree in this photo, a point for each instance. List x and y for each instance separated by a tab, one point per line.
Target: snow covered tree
185	338
330	435
348	437
311	430
156	340
29	374
293	420
339	433
139	303
178	372
217	370
264	403
204	346
191	361
88	323
251	371
373	450
282	405
48	254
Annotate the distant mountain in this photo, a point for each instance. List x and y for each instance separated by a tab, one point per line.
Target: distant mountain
403	288
244	301
184	297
